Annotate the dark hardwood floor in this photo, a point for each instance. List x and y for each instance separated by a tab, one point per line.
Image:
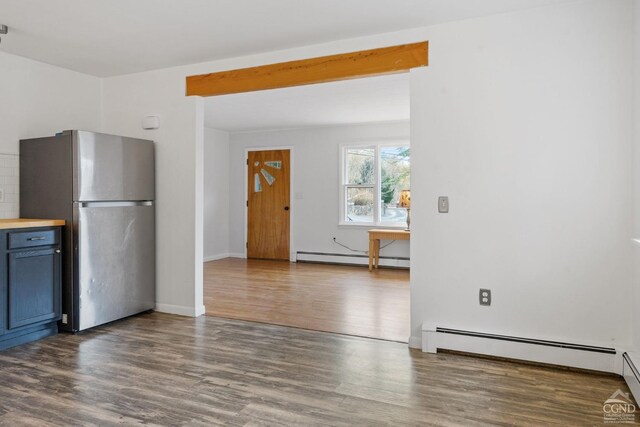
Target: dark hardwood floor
159	369
343	299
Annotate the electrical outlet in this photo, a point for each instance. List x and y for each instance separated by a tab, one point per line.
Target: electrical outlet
485	296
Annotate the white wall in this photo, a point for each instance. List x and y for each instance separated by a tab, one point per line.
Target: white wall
315	175
216	194
39	100
523	120
179	180
636	189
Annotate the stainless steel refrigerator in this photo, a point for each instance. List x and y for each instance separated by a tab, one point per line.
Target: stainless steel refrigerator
104	187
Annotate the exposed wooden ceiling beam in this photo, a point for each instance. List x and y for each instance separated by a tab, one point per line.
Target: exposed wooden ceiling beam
364	63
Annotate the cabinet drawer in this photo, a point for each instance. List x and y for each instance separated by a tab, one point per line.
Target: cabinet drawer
28	239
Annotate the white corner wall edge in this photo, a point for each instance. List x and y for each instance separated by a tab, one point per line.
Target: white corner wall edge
180	310
432	341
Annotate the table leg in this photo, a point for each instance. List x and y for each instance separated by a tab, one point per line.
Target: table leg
377	251
371	254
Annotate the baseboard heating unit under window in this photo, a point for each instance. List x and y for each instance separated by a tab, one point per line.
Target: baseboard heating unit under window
350	259
595	358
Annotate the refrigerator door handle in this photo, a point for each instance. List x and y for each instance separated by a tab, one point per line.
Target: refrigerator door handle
114	204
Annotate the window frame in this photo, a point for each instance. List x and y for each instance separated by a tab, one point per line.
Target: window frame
343	185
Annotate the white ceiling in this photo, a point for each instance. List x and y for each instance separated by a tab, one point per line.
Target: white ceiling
374	99
110	37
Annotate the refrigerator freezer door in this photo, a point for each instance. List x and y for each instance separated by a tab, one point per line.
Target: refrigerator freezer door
109	167
114	260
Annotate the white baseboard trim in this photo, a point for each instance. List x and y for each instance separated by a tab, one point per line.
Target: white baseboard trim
180	310
349	259
200	310
216	257
222	256
564	354
415	342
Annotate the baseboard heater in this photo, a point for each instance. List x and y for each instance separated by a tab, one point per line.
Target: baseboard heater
521	348
350	259
631	375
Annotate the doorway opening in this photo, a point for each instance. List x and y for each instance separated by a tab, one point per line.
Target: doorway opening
294	179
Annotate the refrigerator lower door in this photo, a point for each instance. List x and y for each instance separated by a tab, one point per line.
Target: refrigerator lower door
114	260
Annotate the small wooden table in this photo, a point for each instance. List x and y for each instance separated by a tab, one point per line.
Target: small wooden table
376	235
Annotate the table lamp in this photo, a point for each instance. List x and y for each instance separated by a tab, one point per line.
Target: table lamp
405	202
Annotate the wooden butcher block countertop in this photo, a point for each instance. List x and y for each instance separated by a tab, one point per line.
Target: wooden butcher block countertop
29	223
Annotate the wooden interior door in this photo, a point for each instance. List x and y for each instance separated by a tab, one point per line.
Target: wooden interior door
268	204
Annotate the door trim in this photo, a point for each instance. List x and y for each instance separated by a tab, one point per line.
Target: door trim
292	212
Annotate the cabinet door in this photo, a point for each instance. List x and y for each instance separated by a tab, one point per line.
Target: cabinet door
34	287
4	302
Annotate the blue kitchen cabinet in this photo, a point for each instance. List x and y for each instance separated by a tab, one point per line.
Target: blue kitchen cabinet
31	284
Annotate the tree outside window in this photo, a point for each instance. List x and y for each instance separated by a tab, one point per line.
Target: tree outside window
373	177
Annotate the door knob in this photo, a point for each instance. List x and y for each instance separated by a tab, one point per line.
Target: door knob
286	208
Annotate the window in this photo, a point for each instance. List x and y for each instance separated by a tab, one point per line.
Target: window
372	178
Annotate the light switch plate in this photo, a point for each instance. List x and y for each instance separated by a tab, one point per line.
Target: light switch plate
443	204
1	194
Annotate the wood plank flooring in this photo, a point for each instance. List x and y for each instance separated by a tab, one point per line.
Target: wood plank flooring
342	299
159	369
